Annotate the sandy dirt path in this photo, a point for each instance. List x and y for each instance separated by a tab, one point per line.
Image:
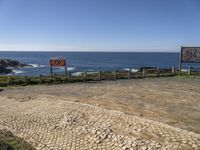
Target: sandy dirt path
84	116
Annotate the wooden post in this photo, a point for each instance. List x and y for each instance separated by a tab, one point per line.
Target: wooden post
70	77
65	68
85	74
100	75
40	77
129	74
51	72
173	70
144	73
25	78
115	75
180	63
158	69
189	70
65	71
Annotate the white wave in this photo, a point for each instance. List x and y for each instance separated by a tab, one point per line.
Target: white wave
77	73
132	69
41	66
81	73
127	69
17	71
68	68
33	65
36	66
92	72
184	70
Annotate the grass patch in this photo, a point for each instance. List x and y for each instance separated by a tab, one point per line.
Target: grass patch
10	142
105	75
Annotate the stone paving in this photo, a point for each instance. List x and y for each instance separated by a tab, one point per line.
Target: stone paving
48	123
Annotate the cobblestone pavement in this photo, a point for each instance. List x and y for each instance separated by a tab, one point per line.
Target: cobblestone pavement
48	123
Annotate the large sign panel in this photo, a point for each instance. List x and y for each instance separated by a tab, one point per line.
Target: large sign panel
190	54
57	62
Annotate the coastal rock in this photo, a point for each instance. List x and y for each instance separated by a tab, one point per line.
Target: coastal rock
12	63
6	64
4	70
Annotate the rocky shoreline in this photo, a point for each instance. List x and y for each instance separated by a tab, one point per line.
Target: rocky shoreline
6	65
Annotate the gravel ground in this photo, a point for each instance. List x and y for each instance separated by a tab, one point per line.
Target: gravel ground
126	114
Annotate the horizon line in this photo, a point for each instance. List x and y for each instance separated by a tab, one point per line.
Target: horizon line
126	51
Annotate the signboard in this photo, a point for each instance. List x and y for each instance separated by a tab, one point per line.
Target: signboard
190	54
57	62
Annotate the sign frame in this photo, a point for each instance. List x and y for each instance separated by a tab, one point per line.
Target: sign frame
181	57
57	62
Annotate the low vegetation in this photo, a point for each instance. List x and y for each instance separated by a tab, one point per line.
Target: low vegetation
62	79
9	142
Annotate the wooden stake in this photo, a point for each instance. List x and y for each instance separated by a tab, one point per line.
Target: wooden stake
180	63
51	71
189	70
70	75
115	75
85	74
65	71
25	77
129	74
144	73
173	70
100	75
158	69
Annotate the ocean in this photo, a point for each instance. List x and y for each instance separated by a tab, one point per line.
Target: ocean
91	61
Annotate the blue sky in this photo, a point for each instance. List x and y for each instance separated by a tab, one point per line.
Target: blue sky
99	25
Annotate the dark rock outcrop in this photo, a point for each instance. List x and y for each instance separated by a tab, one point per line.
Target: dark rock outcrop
12	63
4	70
7	64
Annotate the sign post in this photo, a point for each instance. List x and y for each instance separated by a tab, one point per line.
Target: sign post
189	55
180	63
58	62
51	71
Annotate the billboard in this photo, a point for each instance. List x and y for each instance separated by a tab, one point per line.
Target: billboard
190	54
57	62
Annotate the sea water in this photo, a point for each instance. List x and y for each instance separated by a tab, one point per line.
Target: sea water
91	61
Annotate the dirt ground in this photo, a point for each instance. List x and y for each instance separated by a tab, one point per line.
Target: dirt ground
173	101
151	113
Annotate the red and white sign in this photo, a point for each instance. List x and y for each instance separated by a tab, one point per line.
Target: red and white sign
58	62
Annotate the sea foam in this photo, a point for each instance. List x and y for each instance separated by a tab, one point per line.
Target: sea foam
17	71
68	68
132	69
36	66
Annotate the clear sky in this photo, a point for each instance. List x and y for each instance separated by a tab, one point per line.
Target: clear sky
99	25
